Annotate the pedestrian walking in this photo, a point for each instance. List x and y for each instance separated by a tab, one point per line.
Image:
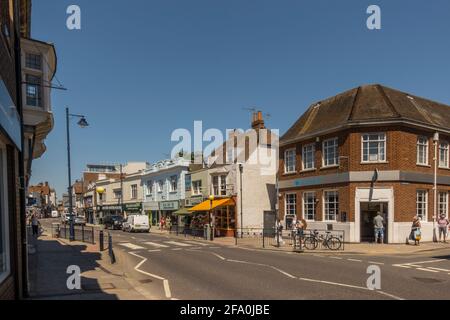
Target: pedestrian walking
300	227
378	225
443	225
416	233
279	232
35	225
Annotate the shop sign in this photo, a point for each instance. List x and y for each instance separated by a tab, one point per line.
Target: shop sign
169	205
132	206
111	208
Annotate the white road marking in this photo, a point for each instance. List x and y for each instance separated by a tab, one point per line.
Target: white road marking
355	260
337	258
401	266
165	281
425	269
158	245
177	249
439	269
181	244
284	272
198	243
374	262
154	250
219	256
131	246
423	262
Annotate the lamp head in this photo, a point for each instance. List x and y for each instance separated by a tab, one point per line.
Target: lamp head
211	198
83	123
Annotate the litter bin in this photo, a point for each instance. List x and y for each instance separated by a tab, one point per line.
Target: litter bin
55	230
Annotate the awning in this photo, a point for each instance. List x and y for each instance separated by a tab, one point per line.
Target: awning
206	205
183	212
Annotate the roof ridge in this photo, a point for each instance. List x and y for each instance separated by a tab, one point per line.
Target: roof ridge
387	100
356	95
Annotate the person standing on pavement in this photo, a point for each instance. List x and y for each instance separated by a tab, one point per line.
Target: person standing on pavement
443	227
416	234
378	224
35	225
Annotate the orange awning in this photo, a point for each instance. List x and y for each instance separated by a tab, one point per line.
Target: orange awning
206	205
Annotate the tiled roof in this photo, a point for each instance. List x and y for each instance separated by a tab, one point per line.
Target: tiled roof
365	104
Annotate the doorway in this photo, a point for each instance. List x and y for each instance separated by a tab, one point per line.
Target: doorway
368	211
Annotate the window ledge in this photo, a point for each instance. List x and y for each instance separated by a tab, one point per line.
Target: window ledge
329	167
374	162
308	170
423	165
443	168
289	173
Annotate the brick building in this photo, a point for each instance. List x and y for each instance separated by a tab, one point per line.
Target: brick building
366	150
14	24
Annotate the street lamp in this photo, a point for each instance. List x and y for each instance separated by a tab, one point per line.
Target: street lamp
83	124
435	142
211	199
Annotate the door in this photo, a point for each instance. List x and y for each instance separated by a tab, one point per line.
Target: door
368	211
269	223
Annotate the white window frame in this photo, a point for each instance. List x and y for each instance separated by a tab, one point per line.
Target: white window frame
304	205
221	185
446	149
325	150
115	193
173	183
197	187
286	213
420	146
379	141
131	193
288	155
423	204
148	188
313	145
160	186
4	210
326	202
440	203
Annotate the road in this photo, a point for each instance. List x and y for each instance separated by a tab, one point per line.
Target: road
173	267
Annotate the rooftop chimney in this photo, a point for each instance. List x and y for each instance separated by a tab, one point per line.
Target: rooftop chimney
258	121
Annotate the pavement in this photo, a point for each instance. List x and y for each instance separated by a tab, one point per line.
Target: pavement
183	268
50	258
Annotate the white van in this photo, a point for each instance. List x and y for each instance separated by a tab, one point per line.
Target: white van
136	223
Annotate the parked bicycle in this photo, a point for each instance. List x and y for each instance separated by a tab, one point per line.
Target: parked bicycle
311	241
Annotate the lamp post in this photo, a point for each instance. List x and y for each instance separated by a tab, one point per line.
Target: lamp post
435	189
83	124
211	199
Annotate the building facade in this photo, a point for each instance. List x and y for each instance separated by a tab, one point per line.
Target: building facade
367	150
15	23
164	187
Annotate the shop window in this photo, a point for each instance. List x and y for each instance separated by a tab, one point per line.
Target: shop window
443	203
309	205
4	243
422	204
331	204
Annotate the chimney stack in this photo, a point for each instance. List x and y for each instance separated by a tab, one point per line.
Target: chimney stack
258	121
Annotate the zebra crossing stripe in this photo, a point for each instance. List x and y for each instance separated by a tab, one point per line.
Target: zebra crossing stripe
180	244
198	243
158	245
131	246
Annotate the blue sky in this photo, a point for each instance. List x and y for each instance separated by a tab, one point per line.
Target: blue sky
140	69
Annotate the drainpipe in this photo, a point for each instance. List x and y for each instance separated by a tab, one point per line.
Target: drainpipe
241	169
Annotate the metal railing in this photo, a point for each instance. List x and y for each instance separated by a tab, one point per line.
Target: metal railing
275	238
188	232
82	233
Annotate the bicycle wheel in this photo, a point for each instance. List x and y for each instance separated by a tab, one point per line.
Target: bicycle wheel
310	243
334	243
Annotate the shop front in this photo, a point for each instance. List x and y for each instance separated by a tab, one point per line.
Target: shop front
167	210
111	210
132	208
220	213
151	209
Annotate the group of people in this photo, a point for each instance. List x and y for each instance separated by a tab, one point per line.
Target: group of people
165	223
416	233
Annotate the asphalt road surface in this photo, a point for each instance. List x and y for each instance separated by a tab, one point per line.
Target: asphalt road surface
171	267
